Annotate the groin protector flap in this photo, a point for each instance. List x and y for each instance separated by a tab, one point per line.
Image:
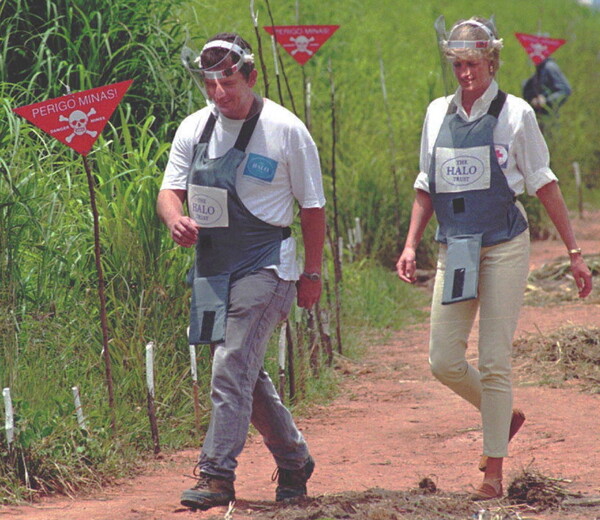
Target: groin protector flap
462	268
208	313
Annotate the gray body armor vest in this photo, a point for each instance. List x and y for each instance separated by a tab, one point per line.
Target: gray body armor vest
471	198
225	254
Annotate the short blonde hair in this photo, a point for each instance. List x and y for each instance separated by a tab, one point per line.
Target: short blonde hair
474	29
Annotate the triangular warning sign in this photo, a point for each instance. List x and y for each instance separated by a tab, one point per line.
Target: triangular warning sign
76	119
301	41
539	47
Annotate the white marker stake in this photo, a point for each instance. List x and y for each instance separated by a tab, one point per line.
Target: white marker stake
78	409
150	385
274	51
150	368
358	237
282	343
193	363
9	423
282	348
194	370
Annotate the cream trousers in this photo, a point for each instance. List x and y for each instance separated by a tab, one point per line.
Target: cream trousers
502	277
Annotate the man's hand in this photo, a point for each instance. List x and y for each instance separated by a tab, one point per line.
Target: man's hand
539	101
312	222
184	231
309	291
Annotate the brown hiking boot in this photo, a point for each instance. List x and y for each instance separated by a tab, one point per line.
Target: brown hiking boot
208	492
291	483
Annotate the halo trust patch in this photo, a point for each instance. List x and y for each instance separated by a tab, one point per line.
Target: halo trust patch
260	167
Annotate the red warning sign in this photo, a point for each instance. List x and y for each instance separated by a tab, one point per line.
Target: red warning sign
301	41
76	119
539	47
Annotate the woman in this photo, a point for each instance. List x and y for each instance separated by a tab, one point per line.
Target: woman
480	149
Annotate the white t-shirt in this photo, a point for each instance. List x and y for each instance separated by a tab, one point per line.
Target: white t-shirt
520	146
281	166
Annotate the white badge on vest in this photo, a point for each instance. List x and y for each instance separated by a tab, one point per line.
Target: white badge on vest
207	205
462	169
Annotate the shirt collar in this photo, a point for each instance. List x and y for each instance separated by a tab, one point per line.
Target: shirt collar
481	106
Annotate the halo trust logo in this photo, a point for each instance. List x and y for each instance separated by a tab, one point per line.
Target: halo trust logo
206	209
463	170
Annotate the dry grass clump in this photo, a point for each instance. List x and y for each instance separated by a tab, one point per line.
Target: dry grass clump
570	353
537	490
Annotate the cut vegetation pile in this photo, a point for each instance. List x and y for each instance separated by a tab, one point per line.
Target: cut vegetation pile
529	493
537	490
571	353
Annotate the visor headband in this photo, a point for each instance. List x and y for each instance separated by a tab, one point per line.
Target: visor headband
476	24
244	55
492	42
223	44
468	44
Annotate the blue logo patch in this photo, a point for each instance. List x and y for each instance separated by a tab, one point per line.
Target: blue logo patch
260	167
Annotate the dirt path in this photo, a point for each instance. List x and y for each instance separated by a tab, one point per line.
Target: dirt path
391	426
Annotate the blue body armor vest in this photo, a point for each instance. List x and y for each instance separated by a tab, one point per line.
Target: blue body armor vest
225	254
471	198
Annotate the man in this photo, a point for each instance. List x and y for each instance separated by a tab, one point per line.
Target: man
242	163
547	89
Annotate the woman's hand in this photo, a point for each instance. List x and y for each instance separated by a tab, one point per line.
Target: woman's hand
582	275
406	266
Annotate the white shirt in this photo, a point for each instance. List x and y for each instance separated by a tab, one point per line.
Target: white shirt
290	169
520	146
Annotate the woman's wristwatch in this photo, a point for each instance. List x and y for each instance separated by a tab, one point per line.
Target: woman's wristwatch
573	252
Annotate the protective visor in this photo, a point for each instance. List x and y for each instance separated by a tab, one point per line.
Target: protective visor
448	79
445	44
231	58
443	38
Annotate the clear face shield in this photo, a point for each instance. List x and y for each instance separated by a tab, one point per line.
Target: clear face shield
454	46
217	60
448	79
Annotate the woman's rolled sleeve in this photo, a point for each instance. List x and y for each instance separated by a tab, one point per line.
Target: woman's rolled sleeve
533	158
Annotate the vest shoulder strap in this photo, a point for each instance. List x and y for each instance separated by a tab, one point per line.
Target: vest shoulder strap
497	104
208	128
249	125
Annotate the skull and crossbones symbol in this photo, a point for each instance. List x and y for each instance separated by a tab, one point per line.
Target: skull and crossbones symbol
302	43
78	122
538	50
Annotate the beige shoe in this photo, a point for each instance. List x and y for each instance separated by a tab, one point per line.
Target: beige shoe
490	488
516	421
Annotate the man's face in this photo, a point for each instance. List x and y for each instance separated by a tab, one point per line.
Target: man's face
232	95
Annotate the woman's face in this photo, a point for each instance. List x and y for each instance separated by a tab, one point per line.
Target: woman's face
473	75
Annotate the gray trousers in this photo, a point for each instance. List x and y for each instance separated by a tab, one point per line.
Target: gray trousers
241	390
